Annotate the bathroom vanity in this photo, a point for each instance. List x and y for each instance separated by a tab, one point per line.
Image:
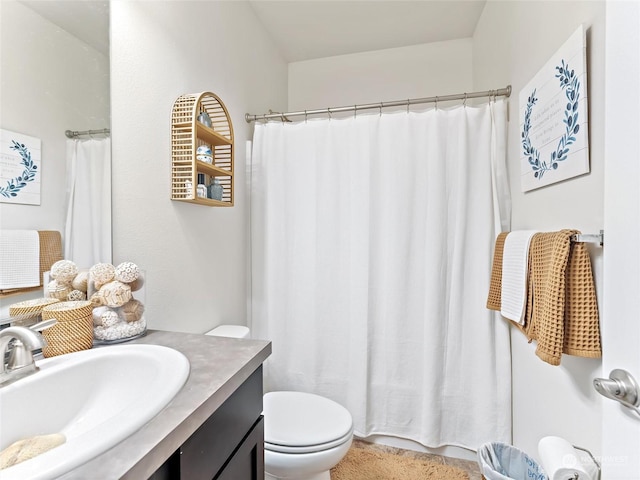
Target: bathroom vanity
213	427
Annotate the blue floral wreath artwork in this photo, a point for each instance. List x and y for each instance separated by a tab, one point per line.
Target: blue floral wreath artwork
571	85
14	185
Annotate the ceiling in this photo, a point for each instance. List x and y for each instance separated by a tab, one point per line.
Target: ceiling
306	29
87	20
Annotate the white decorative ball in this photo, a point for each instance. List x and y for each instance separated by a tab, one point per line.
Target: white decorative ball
58	290
132	310
76	295
112	294
81	281
102	273
109	318
137	283
97	314
127	272
64	271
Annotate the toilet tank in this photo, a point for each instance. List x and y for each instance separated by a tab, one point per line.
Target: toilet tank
233	331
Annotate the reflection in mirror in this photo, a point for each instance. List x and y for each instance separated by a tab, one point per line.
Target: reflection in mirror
55	77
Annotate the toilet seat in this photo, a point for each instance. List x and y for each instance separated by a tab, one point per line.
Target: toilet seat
308	448
297	422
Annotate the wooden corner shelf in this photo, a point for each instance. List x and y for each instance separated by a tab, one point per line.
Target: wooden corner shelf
187	134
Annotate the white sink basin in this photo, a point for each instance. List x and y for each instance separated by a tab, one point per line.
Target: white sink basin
96	398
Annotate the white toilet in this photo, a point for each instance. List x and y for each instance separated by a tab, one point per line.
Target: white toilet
305	435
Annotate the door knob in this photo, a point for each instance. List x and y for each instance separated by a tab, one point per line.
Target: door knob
620	386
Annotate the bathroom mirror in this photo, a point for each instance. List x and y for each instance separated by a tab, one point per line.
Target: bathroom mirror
54	58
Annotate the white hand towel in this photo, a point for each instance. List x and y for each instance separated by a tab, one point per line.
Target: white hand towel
515	271
19	259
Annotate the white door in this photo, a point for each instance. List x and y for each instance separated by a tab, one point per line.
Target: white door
621	303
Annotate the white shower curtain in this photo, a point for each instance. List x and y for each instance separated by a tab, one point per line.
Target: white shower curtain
87	238
372	243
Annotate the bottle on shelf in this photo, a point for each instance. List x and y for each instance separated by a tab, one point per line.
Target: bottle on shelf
201	190
215	189
204	119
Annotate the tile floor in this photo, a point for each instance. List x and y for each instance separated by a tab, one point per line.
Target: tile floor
468	466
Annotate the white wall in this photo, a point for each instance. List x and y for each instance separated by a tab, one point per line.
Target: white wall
51	82
383	75
511	43
195	256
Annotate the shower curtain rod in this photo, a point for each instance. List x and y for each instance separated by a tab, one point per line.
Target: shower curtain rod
76	133
501	92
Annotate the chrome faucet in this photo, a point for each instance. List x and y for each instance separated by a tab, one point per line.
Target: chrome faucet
17	345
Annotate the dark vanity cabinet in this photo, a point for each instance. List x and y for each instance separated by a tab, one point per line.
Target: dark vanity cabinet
229	445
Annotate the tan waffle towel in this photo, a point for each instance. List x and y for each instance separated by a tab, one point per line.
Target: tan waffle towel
26	449
562	309
50	250
494	299
582	325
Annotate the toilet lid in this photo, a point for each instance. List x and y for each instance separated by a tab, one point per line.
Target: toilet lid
303	420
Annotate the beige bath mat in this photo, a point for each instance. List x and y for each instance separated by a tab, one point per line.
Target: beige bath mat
361	464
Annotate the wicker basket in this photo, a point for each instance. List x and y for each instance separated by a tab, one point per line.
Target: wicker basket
27	312
73	331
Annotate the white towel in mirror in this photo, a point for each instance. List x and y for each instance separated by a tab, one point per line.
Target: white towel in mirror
19	259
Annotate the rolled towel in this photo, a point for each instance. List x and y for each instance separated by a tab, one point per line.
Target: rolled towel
28	448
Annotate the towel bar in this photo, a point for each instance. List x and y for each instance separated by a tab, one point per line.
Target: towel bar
589	238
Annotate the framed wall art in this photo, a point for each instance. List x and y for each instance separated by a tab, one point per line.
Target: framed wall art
19	168
553	118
